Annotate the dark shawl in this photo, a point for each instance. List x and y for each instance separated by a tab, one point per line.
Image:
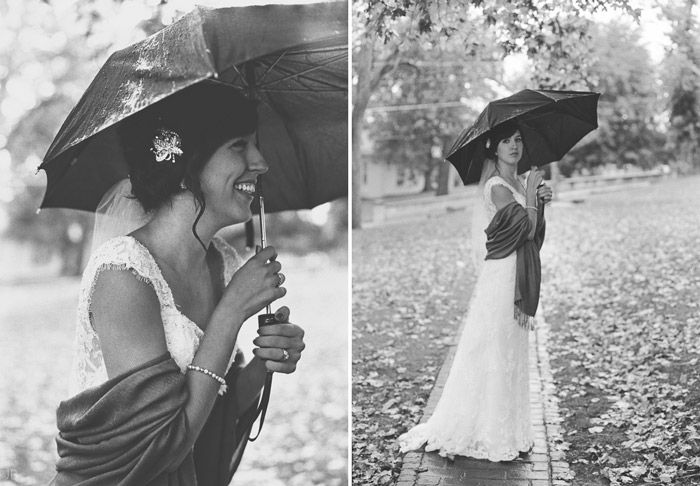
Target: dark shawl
132	430
507	233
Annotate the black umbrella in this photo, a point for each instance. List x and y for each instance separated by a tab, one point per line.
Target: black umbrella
550	122
293	58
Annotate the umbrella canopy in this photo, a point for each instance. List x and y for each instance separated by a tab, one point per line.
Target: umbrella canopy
292	58
550	122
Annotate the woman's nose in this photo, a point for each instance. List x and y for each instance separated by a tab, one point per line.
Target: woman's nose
256	162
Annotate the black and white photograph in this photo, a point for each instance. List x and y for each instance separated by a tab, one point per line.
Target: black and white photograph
525	276
174	219
367	242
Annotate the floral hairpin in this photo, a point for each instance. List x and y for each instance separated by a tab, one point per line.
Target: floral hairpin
488	143
166	145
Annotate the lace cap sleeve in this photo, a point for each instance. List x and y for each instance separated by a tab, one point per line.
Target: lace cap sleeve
123	253
494	181
232	260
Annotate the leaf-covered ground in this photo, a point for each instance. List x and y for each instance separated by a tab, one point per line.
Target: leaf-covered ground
304	441
411	283
621	290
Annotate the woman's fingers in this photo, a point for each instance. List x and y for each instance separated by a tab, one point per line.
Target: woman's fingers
274	267
280	345
274	360
544	192
277	354
279	359
286	329
279	342
280	366
534	178
267	253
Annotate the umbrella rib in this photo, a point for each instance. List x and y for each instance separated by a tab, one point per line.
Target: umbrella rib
336	89
290	75
301	51
271	67
240	75
311	67
302	74
290	53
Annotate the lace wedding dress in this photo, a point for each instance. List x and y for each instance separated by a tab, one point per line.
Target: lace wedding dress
484	410
181	334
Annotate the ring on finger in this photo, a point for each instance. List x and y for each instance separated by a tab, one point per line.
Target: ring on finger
280	279
285	355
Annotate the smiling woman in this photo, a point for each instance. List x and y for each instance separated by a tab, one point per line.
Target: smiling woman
160	309
229	177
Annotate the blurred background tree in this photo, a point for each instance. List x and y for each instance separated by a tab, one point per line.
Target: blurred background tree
424	104
649	112
631	130
681	75
49	53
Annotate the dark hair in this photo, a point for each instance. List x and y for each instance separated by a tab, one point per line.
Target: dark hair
204	115
497	134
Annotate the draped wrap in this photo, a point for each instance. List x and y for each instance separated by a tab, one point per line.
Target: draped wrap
507	233
132	430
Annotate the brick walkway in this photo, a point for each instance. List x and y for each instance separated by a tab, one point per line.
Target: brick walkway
545	466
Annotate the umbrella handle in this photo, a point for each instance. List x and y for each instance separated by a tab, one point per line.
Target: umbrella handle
263	227
263	319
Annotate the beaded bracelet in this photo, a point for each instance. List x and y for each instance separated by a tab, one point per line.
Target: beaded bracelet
223	387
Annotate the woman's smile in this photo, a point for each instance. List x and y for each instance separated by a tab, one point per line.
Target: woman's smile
247	188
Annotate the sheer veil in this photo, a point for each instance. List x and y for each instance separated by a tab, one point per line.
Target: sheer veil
118	214
479	219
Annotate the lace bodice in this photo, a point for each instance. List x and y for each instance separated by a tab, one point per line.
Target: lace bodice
181	334
491	209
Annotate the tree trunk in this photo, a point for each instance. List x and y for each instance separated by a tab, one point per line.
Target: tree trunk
369	73
428	174
356	172
444	180
360	98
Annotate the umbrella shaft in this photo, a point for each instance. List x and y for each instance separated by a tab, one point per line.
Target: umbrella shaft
263	230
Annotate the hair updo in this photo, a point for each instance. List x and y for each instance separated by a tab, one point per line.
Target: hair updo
204	115
497	134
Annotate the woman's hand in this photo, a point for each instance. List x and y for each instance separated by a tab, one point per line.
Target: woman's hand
534	179
254	285
544	193
273	340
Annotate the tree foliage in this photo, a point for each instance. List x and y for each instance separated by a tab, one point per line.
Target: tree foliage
682	81
431	85
553	35
630	128
52	53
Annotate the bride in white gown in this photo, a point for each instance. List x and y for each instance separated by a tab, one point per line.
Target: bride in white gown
484	410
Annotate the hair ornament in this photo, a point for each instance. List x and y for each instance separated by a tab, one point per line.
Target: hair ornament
488	143
166	145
